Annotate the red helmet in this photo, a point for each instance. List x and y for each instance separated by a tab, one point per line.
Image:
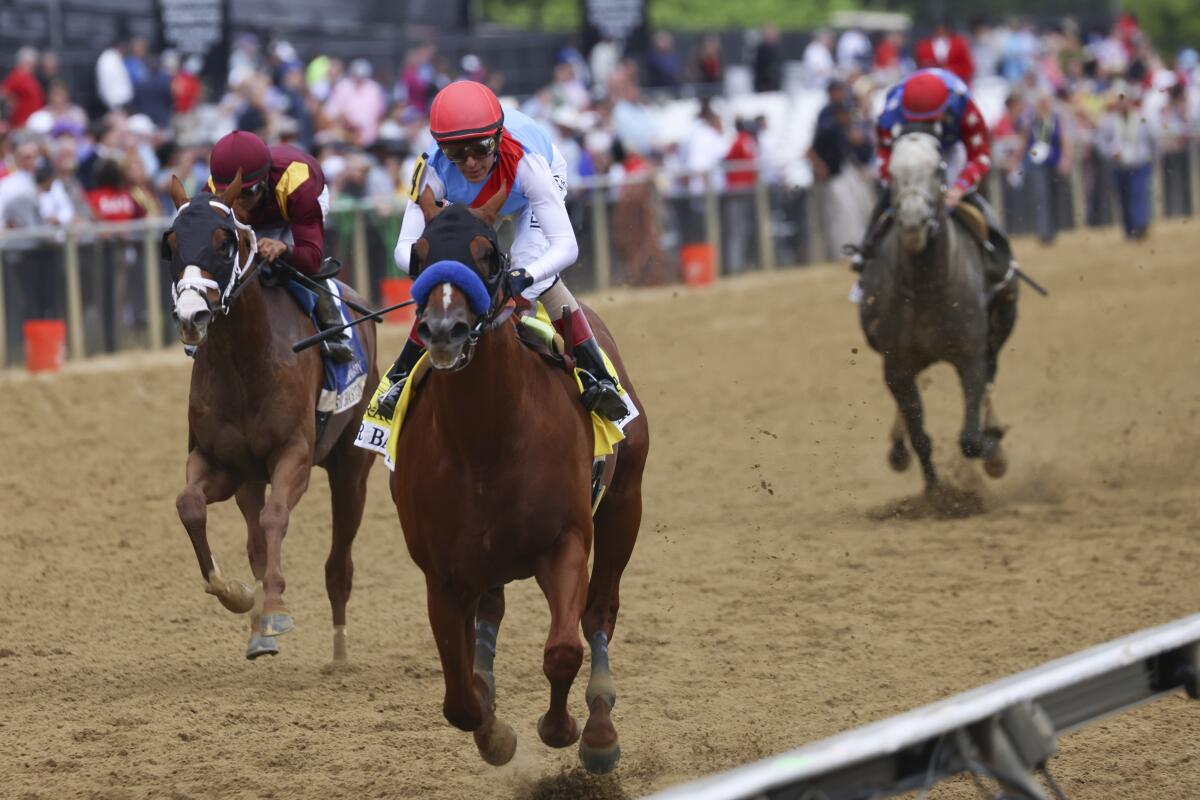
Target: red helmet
925	96
239	150
465	110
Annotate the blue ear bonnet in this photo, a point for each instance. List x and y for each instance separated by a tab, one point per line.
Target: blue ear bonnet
460	276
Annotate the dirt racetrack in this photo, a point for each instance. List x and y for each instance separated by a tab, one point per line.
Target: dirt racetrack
774	597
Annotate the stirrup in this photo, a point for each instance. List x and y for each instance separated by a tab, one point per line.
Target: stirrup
338	349
601	395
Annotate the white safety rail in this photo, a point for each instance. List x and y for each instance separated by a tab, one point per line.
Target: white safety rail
1005	730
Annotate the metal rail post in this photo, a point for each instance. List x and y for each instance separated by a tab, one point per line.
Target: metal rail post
816	231
601	246
762	215
1194	174
1078	195
712	227
362	270
74	297
3	318
154	317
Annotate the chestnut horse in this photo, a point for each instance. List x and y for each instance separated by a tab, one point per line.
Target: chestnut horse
252	415
492	484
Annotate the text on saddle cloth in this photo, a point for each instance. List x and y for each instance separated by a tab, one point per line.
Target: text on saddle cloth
381	435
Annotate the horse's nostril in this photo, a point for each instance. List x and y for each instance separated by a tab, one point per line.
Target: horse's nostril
459	332
424	333
201	318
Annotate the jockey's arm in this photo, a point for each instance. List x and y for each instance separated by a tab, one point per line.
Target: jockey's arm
413	224
550	210
883	155
308	246
975	139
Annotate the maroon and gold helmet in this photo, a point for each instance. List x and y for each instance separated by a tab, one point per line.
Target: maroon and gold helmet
240	150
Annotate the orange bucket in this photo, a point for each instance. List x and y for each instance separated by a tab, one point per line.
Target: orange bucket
393	291
697	264
45	344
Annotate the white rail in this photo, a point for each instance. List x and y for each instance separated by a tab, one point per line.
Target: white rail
1006	729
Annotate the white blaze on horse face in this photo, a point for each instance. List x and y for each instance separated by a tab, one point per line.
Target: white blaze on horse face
189	303
447	290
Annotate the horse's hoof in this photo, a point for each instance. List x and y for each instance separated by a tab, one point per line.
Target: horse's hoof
599	760
339	644
497	744
558	739
261	646
276	623
898	457
234	595
997	465
601	684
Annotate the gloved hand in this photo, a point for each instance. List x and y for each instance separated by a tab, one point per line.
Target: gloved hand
517	281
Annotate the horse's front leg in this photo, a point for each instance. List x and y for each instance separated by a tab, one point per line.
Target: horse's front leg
903	386
251	498
562	574
487	629
974	441
469	703
289	479
208	483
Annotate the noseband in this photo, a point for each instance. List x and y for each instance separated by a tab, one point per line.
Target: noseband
242	270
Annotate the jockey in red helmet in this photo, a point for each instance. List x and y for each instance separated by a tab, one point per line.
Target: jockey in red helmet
938	102
480	148
285	199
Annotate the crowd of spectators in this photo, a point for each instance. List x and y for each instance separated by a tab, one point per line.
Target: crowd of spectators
1106	101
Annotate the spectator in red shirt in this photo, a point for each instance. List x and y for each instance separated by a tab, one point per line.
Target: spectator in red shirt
948	51
743	158
111	200
738	228
22	87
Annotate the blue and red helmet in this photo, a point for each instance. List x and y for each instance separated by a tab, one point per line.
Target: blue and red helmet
925	97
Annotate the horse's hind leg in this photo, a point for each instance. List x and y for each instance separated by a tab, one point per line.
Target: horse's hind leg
903	386
617	522
250	499
562	574
348	494
468	704
209	484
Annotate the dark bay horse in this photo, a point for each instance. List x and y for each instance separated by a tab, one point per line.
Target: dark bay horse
251	415
492	484
926	299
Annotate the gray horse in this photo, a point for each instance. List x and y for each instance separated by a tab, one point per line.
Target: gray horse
925	299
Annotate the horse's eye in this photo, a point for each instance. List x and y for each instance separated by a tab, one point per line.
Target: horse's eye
230	249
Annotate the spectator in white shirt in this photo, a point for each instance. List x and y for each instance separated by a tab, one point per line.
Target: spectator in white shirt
112	78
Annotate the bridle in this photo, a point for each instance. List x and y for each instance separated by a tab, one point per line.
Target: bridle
242	272
497	314
919	189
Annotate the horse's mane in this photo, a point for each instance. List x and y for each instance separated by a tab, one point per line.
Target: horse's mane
915	157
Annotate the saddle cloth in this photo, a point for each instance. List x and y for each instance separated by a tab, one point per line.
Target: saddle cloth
344	383
380	435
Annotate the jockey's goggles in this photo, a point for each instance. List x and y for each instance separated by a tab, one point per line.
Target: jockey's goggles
251	192
458	152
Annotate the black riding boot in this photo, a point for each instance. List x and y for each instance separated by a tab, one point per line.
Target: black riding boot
599	387
338	347
858	255
398	374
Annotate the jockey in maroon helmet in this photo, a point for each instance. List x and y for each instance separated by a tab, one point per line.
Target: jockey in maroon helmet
481	148
938	102
285	199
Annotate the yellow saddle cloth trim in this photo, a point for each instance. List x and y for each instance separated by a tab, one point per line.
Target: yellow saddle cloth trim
606	434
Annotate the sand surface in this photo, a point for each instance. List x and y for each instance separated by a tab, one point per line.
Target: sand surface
775	597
